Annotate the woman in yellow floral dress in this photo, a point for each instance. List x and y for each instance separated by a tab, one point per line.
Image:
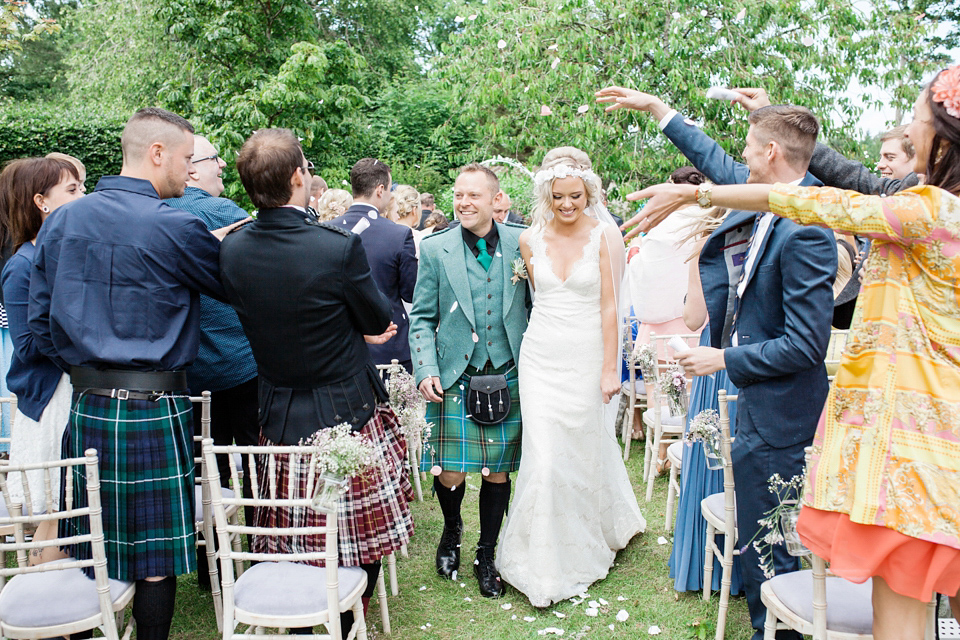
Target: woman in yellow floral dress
883	496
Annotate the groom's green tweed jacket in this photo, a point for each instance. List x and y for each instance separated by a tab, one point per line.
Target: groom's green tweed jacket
443	322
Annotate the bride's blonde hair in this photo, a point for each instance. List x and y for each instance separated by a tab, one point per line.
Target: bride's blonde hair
562	162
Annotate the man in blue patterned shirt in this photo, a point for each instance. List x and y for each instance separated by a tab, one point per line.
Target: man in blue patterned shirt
224	364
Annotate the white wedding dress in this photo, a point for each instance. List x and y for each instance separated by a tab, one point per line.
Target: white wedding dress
573	506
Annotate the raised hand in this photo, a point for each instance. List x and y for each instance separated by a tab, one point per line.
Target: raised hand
623	98
664	199
383	337
753	98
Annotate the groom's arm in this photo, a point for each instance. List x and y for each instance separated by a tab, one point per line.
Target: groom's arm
425	315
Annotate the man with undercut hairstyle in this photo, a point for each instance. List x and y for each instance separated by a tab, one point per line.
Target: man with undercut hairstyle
113	300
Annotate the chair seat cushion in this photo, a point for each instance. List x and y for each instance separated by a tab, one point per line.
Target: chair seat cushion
638	385
291	589
666	420
53	597
714	504
198	504
675	453
849	608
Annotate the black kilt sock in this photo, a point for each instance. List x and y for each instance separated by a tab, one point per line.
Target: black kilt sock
153	605
494	498
450	500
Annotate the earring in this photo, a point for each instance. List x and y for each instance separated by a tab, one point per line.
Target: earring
45	209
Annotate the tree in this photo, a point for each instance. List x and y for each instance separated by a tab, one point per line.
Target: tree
525	70
16	27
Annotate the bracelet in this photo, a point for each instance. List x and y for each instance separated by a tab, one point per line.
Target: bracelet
704	195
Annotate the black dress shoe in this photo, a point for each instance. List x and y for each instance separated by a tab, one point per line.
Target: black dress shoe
487	575
448	551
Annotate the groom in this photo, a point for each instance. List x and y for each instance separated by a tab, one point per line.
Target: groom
469	314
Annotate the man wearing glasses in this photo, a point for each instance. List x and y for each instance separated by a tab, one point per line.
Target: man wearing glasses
224	364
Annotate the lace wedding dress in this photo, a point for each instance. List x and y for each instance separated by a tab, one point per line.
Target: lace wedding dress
573	506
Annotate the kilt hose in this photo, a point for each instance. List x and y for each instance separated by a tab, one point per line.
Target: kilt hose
457	443
145	451
374	517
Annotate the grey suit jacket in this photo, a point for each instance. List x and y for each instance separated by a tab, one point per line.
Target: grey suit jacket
835	170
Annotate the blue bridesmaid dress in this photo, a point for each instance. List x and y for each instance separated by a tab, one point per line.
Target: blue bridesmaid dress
696	483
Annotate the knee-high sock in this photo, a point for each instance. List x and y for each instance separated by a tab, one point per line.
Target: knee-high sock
153	605
494	498
450	500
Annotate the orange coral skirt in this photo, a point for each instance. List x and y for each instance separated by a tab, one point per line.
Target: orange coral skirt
910	566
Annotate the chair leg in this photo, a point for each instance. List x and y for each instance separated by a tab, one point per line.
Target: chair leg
403	551
628	428
382	598
654	459
671	498
415	473
708	561
392	569
770	626
647	454
726	578
361	622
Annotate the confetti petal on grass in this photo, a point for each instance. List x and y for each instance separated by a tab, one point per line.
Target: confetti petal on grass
463	585
550	630
611	627
506	607
576	601
602	601
661	540
622	615
703	12
621	598
472	17
654	630
593	604
591	611
806	41
423	588
529	619
742	14
458	19
513	617
468	599
502	44
559	615
555	63
453	576
583	108
553	47
545	110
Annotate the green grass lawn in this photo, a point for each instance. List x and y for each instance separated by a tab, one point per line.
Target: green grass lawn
430	608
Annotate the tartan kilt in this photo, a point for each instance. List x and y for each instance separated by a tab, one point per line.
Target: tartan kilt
145	451
374	517
457	443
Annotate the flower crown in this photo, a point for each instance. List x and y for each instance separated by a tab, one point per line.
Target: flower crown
562	171
946	90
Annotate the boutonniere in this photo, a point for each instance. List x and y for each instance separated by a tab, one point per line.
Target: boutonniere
519	268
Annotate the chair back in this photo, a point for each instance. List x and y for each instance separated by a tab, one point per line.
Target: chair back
729	489
656	400
835	348
92	534
5	440
270	490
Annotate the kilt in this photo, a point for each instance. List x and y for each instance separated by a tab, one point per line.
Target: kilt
145	453
374	517
457	443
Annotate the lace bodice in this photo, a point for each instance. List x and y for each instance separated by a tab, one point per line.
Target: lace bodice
584	277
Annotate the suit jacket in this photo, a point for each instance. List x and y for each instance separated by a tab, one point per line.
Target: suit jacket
834	170
783	324
393	260
442	322
305	296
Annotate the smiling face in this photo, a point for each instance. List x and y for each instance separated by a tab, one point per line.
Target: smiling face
474	199
920	132
894	161
568	199
206	171
67	190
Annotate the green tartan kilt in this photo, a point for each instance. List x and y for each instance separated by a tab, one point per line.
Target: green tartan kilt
457	443
145	451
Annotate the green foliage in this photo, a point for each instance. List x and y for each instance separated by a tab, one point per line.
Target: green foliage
17	28
91	135
701	629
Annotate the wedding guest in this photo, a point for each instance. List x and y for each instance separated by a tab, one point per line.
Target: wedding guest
390	250
408	211
896	154
315	369
30	189
768	284
436	222
883	508
426	209
333	203
81	169
113	298
318	187
503	213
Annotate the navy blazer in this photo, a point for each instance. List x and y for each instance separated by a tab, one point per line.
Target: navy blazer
393	261
784	319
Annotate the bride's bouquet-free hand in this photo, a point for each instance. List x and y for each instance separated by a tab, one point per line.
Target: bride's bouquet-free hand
705	427
673	384
339	454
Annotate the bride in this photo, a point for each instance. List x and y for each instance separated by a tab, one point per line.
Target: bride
573	507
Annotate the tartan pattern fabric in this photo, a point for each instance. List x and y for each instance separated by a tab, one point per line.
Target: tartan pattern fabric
457	443
146	482
374	514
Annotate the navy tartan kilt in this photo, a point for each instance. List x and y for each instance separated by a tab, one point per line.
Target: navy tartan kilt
145	451
457	443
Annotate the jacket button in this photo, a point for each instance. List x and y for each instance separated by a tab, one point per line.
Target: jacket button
489	327
418	335
488	280
419	361
418	349
489	295
337	417
366	406
489	344
489	312
466	357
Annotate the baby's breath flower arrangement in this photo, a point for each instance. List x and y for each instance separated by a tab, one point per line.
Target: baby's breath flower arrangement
644	358
340	454
673	384
779	525
410	407
705	427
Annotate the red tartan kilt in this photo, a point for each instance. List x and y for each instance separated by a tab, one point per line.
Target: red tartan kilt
374	513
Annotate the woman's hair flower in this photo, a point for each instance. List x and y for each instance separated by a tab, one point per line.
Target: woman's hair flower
946	90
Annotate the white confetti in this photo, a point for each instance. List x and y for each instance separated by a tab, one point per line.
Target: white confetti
550	630
583	108
559	615
526	88
463	585
472	17
703	12
555	63
621	598
583	594
622	615
501	44
676	15
423	588
591	611
603	602
453	576
429	625
622	16
513	617
499	255
632	128
476	338
553	47
661	540
454	306
806	41
423	627
506	607
742	14
458	19
611	627
461	389
654	630
593	604
468	599
490	440
529	619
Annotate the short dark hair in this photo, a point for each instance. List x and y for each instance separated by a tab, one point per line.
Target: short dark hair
266	162
898	133
794	128
426	199
20	180
367	175
317	183
149	125
485	170
687	175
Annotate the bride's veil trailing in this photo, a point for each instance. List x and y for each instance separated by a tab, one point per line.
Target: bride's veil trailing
569	161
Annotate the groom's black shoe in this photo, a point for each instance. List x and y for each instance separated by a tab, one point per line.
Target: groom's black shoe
448	552
487	575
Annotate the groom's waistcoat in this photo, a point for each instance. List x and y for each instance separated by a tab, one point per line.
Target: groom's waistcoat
486	288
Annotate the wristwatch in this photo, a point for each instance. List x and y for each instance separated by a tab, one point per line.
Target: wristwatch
704	195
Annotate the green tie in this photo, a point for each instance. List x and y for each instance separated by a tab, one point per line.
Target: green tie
483	257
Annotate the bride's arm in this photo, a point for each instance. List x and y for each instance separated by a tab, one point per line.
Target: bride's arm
610	376
695	307
527	254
